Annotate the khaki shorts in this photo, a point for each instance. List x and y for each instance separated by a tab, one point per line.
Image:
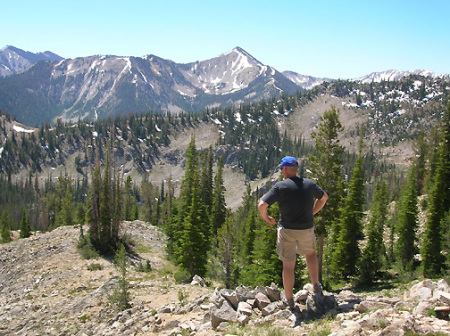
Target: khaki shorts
292	242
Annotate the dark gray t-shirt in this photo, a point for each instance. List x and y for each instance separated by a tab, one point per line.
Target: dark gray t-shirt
295	197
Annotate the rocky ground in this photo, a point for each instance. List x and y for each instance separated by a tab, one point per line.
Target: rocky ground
46	288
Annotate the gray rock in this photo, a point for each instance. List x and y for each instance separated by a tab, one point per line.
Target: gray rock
422	308
244	308
270	309
365	306
230	296
262	300
301	295
198	281
273	292
244	293
224	313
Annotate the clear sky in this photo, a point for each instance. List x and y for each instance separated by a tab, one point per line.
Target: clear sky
335	39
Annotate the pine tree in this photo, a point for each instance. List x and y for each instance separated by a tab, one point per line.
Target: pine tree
347	251
327	172
191	223
439	208
66	215
93	207
191	241
420	149
25	228
226	252
372	256
266	267
121	296
207	179
129	200
405	248
218	211
5	227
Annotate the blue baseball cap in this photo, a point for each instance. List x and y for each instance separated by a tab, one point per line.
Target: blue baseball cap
288	161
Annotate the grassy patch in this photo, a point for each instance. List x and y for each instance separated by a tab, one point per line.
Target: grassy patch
94	267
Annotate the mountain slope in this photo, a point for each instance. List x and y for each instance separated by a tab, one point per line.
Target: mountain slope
14	60
101	86
306	82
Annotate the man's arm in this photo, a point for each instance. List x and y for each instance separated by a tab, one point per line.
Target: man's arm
262	207
318	205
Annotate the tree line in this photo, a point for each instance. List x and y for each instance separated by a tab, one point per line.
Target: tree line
359	237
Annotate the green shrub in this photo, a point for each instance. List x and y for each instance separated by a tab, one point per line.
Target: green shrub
88	252
147	267
182	276
94	267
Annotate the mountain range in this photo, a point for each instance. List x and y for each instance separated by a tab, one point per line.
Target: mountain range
42	87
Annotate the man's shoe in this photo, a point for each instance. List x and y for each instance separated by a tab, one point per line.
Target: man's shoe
318	289
290	303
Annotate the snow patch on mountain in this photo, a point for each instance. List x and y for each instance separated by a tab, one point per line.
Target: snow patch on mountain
394	75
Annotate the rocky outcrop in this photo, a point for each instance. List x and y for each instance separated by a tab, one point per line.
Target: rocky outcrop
47	289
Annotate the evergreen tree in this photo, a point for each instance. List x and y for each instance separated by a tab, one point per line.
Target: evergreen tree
25	228
327	172
371	261
207	179
191	241
266	267
248	228
129	200
66	215
5	227
191	224
93	206
226	252
218	211
405	248
439	208
347	251
420	149
121	296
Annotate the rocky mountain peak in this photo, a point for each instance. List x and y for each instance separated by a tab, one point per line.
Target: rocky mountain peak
14	60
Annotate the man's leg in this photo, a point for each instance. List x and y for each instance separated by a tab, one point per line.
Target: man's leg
288	278
313	267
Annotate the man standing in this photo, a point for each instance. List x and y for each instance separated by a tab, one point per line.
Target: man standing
299	199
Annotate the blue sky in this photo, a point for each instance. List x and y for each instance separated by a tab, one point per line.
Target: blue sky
336	39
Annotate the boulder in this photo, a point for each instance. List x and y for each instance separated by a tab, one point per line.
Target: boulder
244	293
262	300
301	295
230	296
244	308
198	281
224	313
273	292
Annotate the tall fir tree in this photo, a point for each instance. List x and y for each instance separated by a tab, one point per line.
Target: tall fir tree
219	209
25	227
5	227
347	252
226	252
265	266
433	260
328	175
420	148
405	248
93	207
207	179
66	216
372	256
191	241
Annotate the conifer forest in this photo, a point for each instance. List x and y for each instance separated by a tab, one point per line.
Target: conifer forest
381	223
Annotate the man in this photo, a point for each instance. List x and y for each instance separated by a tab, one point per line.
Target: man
299	199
